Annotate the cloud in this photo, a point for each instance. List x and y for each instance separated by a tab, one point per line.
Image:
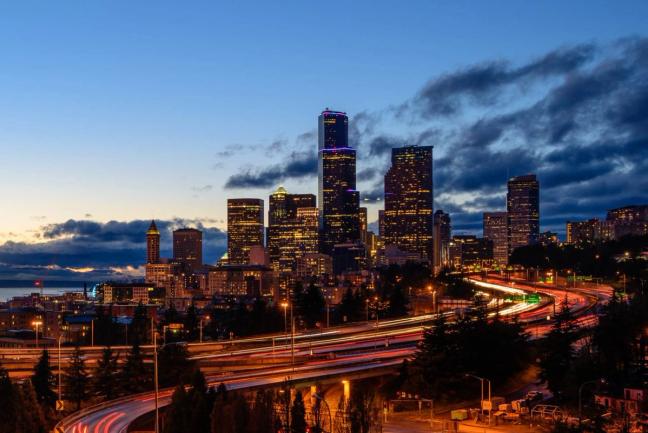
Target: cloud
89	250
483	84
299	165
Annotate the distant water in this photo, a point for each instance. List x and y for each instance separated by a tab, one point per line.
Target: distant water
7	293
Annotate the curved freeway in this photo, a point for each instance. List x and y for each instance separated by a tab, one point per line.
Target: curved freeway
359	349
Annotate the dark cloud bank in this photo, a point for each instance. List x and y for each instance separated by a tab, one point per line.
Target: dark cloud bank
577	116
116	249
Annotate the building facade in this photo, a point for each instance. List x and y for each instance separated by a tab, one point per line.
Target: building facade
523	211
292	228
187	248
244	228
339	201
409	217
442	235
153	244
495	229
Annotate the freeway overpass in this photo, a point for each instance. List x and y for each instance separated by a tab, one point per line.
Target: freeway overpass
345	352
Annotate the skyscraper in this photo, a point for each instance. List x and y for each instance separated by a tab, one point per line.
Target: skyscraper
523	211
495	229
187	248
288	234
338	199
244	228
409	218
152	244
442	236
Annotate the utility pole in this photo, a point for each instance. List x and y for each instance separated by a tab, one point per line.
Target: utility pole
155	372
59	367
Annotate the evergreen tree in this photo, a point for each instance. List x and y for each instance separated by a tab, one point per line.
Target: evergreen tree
312	305
9	400
176	415
191	323
106	375
349	308
199	409
43	381
298	414
262	416
139	329
398	302
231	415
135	376
76	378
557	353
29	417
174	365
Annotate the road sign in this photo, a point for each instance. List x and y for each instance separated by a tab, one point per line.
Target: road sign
59	405
533	298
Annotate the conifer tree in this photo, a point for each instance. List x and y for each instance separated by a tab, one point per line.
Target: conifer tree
43	381
76	378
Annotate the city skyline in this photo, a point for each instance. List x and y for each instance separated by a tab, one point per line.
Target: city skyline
474	104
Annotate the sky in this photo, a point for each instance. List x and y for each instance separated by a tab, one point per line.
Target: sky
114	113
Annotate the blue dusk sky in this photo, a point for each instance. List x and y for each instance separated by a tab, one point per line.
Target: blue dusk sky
116	112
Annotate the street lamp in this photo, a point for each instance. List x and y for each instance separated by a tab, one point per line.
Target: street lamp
201	327
37	323
481	380
155	380
285	307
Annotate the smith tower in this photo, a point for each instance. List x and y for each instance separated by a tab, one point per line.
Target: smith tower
152	244
339	202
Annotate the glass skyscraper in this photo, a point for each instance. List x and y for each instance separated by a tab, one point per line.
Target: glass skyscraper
339	201
244	228
409	219
523	211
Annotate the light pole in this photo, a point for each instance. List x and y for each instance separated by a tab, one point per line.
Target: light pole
59	367
481	380
367	301
36	324
580	397
285	307
92	333
434	302
201	327
155	379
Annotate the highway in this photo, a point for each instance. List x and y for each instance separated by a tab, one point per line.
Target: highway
367	349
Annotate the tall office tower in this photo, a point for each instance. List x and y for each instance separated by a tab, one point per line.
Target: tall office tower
308	230
495	224
442	236
409	218
523	211
152	244
362	219
338	199
244	228
187	248
285	231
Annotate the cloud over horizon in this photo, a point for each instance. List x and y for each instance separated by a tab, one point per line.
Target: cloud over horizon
85	250
577	116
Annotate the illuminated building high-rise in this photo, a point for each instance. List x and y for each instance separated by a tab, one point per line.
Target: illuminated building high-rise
442	236
244	228
495	229
187	248
338	199
409	218
290	218
523	211
152	244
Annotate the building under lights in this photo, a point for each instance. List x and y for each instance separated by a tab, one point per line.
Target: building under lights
523	211
244	228
408	218
495	229
292	228
339	200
